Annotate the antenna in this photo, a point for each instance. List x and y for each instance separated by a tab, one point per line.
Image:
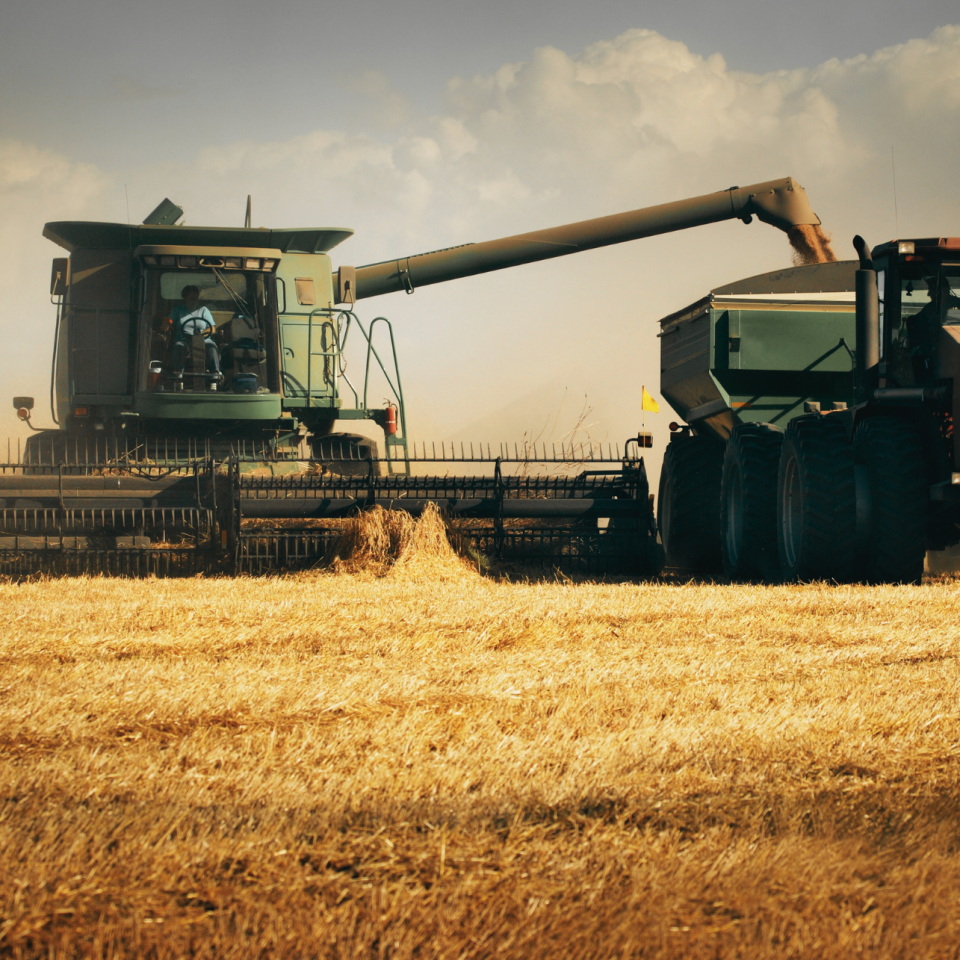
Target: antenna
896	211
247	220
126	193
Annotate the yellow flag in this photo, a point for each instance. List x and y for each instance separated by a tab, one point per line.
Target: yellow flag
648	402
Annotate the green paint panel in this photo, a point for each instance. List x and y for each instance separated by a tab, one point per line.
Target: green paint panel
208	406
299	339
787	340
308	343
724	363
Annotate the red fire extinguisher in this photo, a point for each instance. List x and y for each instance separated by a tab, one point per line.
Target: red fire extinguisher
390	420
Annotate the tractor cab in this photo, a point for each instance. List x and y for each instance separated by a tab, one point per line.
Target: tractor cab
919	290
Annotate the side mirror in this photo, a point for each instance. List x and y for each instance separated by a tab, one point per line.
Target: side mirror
347	285
58	277
23	405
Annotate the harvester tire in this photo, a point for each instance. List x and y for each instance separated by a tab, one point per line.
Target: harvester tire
688	505
889	454
816	501
748	502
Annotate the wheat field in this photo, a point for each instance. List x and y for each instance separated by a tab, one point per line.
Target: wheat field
417	761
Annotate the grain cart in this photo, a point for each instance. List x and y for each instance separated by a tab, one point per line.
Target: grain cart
162	462
819	407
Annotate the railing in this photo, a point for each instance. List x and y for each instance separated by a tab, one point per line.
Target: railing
92	454
393	441
334	369
331	357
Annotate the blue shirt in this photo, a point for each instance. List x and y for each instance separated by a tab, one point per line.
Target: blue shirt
188	322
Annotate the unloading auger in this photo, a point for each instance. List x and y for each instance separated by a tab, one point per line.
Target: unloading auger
172	455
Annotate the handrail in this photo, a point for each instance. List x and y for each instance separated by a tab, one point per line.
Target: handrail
341	334
324	353
396	389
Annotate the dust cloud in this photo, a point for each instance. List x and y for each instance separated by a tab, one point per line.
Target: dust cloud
810	244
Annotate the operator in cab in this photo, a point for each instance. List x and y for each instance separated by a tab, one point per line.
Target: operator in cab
189	318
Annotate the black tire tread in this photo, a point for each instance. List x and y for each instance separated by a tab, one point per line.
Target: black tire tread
692	466
825	458
892	451
754	449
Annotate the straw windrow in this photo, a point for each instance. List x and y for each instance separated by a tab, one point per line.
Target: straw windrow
382	542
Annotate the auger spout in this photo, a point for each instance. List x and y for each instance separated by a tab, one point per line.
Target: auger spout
780	203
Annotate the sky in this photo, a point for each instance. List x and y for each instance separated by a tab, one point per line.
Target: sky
423	124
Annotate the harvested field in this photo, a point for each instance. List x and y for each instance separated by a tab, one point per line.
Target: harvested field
428	764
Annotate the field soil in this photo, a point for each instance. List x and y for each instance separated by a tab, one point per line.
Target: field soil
434	764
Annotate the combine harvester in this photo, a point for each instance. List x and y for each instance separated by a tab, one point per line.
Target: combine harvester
164	464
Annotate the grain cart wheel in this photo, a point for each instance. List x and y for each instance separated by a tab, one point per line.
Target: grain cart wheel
688	507
889	457
816	501
748	502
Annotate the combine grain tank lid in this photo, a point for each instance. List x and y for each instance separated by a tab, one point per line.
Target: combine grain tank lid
812	279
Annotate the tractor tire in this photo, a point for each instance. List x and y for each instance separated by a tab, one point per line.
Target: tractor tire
748	503
688	505
816	502
890	454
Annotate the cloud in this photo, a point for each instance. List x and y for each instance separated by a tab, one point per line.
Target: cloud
35	186
382	104
627	122
136	91
645	115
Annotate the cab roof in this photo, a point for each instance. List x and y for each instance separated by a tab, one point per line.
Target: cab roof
86	234
927	246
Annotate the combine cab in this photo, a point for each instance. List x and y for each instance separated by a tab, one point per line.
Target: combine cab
205	412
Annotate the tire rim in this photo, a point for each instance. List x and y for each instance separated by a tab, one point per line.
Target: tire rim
791	512
733	511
